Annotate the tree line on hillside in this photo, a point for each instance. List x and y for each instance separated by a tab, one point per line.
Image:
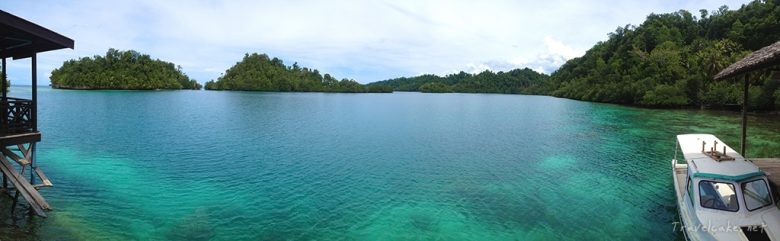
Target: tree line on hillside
258	72
120	70
517	81
670	60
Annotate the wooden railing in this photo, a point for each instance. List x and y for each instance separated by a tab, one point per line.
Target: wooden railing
17	115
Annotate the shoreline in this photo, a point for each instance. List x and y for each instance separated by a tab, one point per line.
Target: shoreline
727	109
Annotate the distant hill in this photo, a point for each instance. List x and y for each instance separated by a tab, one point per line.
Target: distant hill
670	59
667	61
258	72
120	70
518	81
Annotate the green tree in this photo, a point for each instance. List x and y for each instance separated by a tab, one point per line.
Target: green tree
670	60
120	70
435	87
518	81
258	72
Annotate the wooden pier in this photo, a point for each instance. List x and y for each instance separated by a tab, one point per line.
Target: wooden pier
22	39
771	166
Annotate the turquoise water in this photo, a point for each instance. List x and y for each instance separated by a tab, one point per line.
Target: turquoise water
200	165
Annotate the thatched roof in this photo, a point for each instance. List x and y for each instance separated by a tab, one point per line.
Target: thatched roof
764	57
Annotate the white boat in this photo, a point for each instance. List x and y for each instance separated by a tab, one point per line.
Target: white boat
720	194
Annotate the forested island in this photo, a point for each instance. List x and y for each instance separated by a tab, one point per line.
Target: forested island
258	72
518	81
126	70
667	61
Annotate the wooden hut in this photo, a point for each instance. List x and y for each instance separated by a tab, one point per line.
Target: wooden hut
22	39
765	57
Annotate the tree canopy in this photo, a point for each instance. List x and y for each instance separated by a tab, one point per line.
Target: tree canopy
667	61
258	72
121	70
518	81
670	60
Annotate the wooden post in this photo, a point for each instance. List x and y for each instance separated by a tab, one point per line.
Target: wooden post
34	112
34	109
32	162
5	179
744	116
5	77
16	199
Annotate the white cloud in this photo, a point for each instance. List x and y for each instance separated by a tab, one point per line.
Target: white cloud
558	48
364	40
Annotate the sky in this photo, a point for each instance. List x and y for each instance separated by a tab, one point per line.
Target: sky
367	40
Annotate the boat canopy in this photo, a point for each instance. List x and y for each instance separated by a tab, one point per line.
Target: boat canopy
735	168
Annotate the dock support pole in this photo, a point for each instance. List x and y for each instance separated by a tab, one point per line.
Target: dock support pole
16	200
4	77
34	111
744	115
32	163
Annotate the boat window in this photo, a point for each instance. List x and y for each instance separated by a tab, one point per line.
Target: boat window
718	195
756	194
690	190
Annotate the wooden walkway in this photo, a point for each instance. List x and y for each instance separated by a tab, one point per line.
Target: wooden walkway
771	166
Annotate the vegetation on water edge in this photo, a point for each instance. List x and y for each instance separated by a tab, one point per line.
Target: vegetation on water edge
518	81
668	60
129	70
258	72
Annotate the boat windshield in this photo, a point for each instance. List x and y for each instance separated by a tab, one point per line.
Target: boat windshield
718	195
756	194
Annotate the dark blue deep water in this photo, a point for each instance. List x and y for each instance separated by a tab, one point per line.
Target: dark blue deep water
199	165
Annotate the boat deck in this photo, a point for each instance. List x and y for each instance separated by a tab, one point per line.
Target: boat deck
681	173
771	166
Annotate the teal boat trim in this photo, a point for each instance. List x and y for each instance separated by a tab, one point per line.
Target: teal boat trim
738	178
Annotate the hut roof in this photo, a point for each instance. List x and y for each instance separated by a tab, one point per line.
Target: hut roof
764	57
20	38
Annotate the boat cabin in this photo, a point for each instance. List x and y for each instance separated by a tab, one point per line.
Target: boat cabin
722	180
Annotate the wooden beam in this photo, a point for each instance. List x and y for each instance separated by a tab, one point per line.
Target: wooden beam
29	193
44	180
20	138
28	154
25	151
21	160
744	116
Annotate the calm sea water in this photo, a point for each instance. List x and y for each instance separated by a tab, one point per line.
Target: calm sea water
198	165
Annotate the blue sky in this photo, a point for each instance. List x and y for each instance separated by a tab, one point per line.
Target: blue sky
367	40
